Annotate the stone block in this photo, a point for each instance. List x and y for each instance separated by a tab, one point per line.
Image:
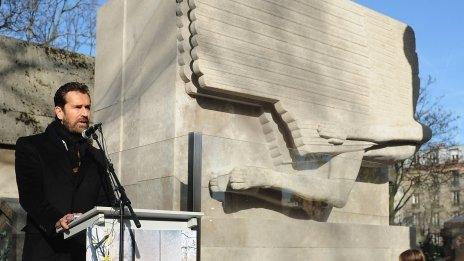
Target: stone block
258	233
340	216
147	162
299	254
147	24
148	117
7	174
109	65
155	119
368	202
115	159
180	160
152	194
131	127
112	121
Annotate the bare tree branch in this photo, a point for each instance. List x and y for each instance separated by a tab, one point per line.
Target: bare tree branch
67	24
424	169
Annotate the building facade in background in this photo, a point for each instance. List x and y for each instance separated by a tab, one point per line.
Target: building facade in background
439	199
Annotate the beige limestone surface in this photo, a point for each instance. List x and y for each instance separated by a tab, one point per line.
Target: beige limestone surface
300	103
337	78
29	77
8	187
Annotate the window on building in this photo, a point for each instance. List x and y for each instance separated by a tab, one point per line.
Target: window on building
415	199
435	157
399	218
456	198
415	219
417	158
455	177
436	219
435	197
437	239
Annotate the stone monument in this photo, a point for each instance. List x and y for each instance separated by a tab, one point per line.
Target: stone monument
301	104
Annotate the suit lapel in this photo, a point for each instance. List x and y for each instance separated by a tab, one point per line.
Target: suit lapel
61	158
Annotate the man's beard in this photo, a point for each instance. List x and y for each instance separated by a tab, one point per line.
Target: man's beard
74	127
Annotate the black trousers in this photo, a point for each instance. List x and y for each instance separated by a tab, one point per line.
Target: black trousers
38	247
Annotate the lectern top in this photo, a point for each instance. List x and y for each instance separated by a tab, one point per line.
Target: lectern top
143	214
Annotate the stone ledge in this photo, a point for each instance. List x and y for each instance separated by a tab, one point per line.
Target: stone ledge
259	233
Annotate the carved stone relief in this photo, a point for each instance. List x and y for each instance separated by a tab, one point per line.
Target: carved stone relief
335	89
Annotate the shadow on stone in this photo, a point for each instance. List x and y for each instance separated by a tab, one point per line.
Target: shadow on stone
278	201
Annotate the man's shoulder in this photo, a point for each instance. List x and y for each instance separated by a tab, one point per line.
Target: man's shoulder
30	140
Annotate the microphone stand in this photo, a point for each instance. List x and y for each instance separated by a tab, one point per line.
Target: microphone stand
123	201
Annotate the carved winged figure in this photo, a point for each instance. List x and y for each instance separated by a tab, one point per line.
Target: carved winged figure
338	84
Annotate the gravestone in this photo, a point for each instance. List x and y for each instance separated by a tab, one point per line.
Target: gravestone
301	106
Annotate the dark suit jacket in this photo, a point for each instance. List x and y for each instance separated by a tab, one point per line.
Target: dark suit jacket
48	190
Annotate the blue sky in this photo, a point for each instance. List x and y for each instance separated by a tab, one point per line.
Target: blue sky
439	29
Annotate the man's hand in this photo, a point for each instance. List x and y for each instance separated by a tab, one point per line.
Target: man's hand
64	221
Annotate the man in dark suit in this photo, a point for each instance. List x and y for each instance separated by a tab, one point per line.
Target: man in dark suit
60	174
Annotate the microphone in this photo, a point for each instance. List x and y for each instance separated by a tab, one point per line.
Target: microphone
87	133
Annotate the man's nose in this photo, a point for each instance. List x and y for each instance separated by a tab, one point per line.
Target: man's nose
85	112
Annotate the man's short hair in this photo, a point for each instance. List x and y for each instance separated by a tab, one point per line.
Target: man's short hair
60	94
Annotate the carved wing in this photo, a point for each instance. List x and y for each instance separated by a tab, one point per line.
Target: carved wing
335	70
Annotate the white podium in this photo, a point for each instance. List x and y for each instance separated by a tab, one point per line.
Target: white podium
164	235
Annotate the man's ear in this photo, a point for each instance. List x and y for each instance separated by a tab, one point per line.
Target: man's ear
59	112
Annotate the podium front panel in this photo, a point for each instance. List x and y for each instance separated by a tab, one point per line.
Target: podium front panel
155	240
